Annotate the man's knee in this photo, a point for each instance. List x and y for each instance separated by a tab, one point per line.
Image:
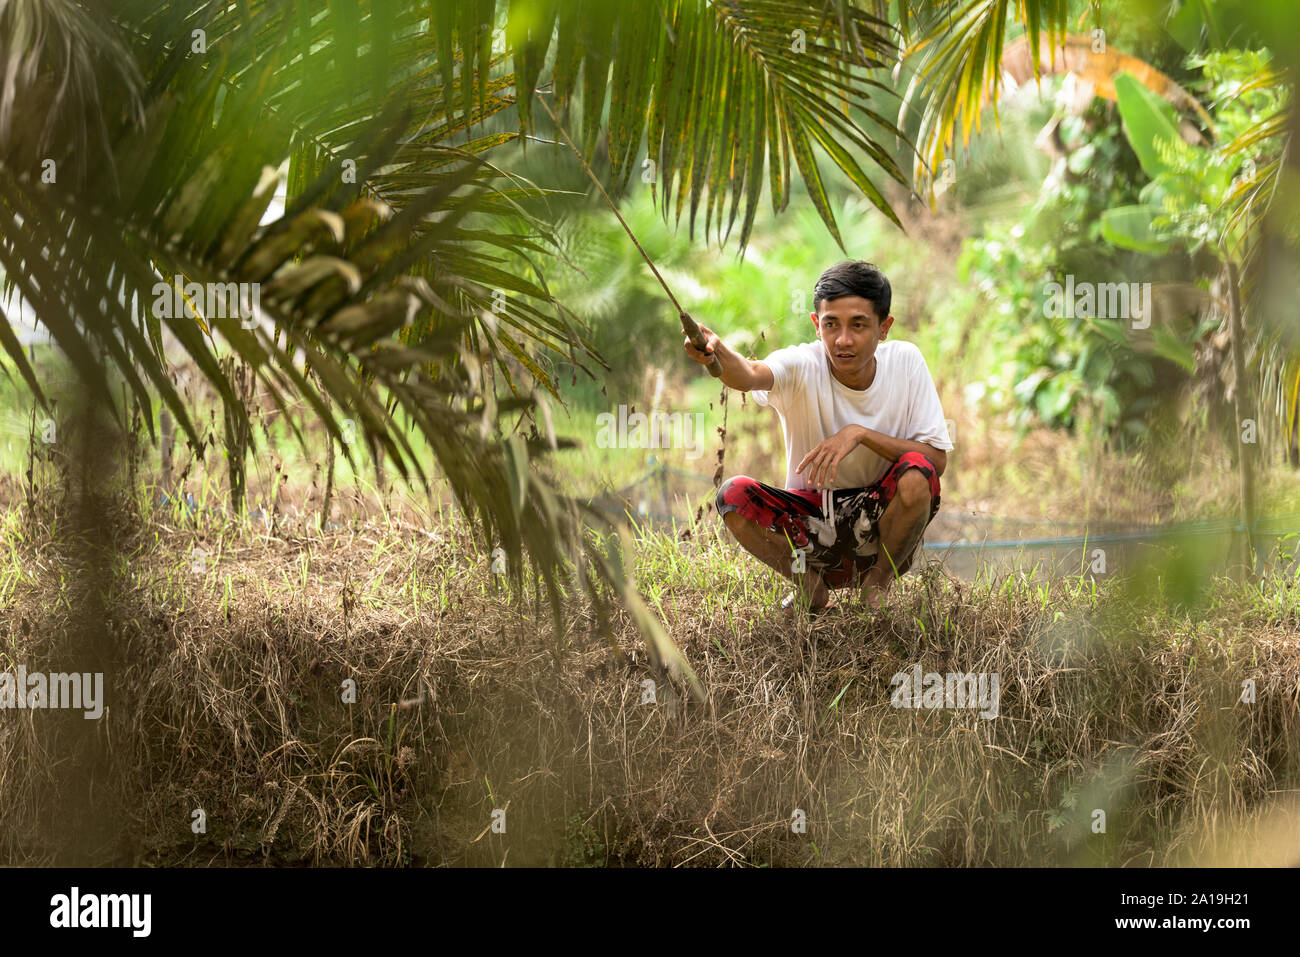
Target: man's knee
731	496
913	489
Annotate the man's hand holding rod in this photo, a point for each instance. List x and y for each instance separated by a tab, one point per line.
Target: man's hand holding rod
699	349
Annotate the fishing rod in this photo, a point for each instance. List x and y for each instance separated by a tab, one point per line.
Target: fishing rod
688	324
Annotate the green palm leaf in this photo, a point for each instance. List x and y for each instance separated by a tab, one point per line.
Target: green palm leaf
957	57
366	286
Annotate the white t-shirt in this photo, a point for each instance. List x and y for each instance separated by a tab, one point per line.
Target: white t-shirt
813	405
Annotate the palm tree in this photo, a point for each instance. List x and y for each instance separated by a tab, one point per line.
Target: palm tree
402	286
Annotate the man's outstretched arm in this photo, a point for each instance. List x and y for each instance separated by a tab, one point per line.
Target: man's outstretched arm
738	372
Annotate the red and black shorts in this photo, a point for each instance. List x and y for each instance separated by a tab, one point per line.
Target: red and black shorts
836	529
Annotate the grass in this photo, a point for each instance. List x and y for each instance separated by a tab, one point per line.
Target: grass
225	688
227	648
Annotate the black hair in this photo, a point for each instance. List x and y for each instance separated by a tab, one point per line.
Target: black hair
853	277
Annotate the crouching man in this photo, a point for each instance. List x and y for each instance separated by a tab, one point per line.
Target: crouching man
865	443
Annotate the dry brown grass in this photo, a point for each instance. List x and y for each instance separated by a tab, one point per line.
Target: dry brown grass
224	695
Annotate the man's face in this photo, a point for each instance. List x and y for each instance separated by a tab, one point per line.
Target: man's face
850	330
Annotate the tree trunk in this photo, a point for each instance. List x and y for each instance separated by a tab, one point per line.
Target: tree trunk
329	481
238	432
167	439
1242	408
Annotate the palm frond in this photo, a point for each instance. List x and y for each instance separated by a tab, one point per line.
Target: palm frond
344	280
708	86
957	57
1260	222
718	90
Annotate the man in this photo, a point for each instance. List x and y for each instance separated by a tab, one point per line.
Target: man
865	442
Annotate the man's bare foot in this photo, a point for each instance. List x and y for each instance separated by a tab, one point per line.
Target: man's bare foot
874	594
816	604
791	601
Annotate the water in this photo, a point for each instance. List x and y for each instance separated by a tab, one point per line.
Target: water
965	543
